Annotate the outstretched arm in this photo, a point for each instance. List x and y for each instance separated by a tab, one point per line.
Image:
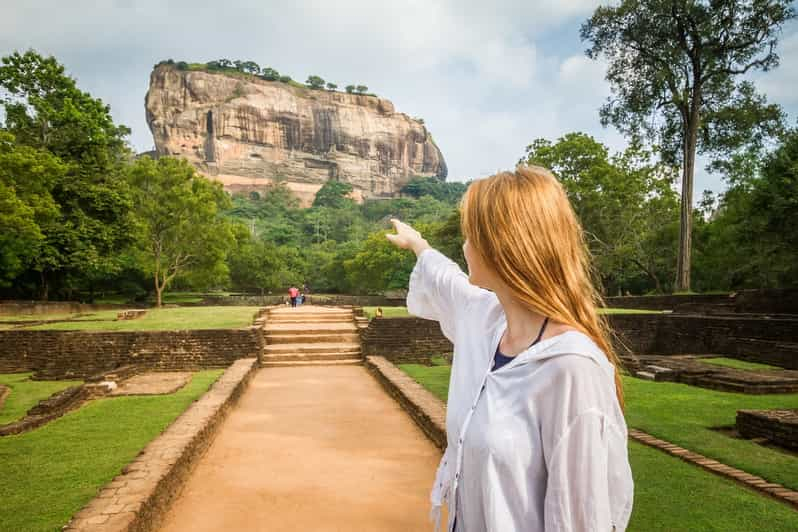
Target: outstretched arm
439	290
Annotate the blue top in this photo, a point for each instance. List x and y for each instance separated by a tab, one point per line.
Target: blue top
500	360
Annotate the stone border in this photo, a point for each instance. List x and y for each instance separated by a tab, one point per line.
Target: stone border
427	411
754	482
138	498
49	409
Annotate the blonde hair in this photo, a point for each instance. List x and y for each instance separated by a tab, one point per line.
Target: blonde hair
523	226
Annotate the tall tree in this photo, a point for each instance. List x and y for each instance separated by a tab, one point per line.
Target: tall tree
45	110
674	68
180	227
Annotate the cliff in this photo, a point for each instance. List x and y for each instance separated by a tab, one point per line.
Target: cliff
246	132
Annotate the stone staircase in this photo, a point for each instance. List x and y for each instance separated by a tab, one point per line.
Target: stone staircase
311	335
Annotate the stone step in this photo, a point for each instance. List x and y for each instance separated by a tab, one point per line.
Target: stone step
647	375
342	362
311	312
312	337
289	357
322	347
299	319
310	328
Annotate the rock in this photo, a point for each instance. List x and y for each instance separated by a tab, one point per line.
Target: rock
247	133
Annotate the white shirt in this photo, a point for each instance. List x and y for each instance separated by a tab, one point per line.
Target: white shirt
540	443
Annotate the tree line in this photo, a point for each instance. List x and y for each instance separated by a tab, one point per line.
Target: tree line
266	73
81	217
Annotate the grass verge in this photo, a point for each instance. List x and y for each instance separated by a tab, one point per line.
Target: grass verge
737	364
50	473
164	319
25	393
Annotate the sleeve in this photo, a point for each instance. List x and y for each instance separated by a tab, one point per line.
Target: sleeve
440	291
577	489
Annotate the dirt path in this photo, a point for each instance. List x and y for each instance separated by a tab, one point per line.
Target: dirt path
311	448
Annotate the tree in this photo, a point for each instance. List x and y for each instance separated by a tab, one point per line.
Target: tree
180	229
673	69
350	89
269	74
361	89
621	201
331	86
28	213
250	67
379	266
333	194
315	82
45	110
253	264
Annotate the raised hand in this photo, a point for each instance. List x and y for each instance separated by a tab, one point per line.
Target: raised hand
407	238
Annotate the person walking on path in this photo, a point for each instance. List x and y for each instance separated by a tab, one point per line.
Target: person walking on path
293	292
537	439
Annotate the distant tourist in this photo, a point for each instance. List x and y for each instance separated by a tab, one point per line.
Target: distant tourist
535	424
378	314
300	298
293	292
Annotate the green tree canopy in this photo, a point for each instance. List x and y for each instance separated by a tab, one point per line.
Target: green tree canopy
181	230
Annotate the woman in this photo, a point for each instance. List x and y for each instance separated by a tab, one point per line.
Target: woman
536	433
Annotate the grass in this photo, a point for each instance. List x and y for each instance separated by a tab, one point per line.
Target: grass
674	496
685	415
387	312
50	473
165	319
666	488
737	364
26	393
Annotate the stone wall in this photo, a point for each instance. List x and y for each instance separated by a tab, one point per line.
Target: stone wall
313	299
778	426
767	340
770	301
80	354
758	339
404	340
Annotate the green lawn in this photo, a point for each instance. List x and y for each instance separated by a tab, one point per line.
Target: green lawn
674	496
26	393
165	319
387	312
50	473
667	488
737	364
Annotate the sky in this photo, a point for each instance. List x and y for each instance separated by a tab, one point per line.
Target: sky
487	77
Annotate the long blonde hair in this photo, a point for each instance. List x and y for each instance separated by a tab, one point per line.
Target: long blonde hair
523	226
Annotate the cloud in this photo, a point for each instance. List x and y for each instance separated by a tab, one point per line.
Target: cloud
487	77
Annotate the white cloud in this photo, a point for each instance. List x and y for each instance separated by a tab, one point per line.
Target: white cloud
487	77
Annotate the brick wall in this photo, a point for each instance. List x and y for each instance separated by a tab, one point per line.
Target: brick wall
766	340
778	426
758	339
404	340
60	354
765	301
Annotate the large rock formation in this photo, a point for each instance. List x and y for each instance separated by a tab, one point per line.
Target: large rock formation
246	132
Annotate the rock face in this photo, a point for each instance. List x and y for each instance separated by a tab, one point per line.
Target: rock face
247	133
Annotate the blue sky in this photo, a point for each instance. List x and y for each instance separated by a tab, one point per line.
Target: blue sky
487	77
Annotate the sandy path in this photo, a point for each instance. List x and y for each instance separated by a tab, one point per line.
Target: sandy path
311	448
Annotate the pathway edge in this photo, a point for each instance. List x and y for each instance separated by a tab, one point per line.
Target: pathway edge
138	498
